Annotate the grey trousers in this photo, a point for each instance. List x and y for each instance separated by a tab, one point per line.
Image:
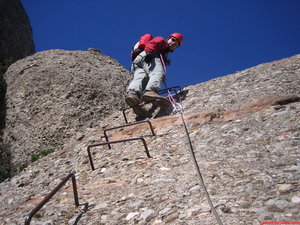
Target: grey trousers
142	71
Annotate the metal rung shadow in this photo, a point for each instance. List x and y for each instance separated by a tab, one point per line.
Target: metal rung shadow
51	194
127	125
163	91
113	142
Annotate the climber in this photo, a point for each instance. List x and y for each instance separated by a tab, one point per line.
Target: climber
148	59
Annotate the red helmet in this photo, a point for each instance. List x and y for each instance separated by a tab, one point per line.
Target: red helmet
178	37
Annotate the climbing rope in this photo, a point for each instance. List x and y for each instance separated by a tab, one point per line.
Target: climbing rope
177	108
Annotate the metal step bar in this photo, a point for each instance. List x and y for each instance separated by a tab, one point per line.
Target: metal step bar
51	194
113	142
127	125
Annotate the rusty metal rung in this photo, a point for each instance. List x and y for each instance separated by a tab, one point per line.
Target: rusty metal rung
127	125
171	89
113	142
51	194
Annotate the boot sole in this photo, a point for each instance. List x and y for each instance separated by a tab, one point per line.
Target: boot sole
132	101
134	104
160	101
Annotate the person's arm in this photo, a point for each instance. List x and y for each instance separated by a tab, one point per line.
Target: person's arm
156	45
153	47
144	40
140	46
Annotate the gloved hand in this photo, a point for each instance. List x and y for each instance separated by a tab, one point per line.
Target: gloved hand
149	56
135	53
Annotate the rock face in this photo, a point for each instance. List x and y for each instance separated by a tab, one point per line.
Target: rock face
16	42
15	31
244	128
53	94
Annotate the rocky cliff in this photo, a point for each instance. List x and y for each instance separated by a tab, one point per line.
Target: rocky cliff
52	95
244	128
16	42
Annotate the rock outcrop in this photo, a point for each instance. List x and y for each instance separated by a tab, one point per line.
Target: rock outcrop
52	95
244	128
16	42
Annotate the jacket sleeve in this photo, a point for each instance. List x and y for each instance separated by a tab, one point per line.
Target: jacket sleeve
156	45
144	40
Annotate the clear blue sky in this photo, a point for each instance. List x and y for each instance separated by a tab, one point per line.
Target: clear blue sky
220	36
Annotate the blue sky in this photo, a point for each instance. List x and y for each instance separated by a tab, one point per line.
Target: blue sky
220	36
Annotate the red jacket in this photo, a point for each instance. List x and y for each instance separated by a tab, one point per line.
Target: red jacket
155	45
144	40
149	44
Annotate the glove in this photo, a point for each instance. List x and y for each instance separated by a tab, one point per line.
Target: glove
149	56
135	53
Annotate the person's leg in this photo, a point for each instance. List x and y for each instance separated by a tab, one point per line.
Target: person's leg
134	90
156	75
136	84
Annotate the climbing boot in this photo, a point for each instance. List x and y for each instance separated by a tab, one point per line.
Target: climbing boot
134	102
132	99
152	96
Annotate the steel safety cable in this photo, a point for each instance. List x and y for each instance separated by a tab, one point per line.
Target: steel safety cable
192	152
198	171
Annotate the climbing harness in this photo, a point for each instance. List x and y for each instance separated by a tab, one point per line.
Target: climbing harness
177	108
